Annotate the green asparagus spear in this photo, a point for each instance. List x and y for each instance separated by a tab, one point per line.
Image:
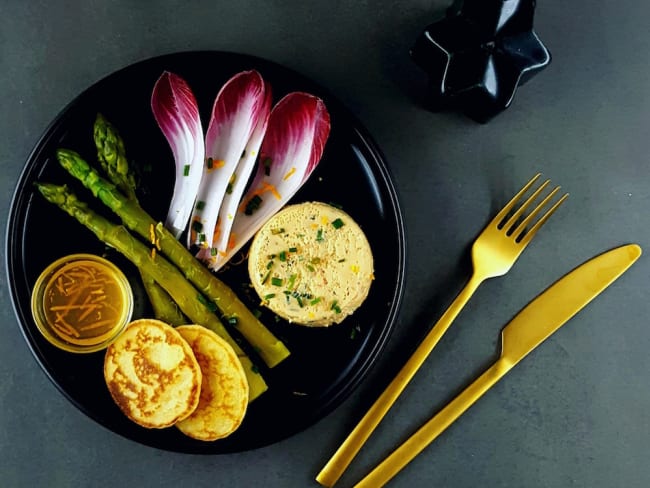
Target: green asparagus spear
270	348
164	307
165	273
112	157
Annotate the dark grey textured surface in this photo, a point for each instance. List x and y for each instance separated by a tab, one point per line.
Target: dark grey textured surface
574	413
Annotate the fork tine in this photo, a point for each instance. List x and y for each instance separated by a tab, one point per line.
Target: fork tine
518	227
512	221
498	219
533	230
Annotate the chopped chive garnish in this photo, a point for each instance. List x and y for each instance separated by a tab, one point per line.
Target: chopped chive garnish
197	226
232	320
211	306
213	251
311	268
269	296
282	256
319	235
315	301
200	205
271	256
186	170
231	182
335	306
275	232
266	277
293	249
292	280
276	281
298	298
269	265
201	237
267	166
338	223
253	204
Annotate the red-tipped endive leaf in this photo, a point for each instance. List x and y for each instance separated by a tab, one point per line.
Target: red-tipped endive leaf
239	180
240	106
298	128
176	112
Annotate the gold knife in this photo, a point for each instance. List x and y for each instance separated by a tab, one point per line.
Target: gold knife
530	327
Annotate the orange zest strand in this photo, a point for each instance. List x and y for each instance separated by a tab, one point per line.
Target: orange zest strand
289	173
231	242
265	187
217	230
192	231
216	163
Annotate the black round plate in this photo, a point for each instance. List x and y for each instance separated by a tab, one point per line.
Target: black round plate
325	363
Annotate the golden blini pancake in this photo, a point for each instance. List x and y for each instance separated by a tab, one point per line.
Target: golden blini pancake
224	390
311	264
152	374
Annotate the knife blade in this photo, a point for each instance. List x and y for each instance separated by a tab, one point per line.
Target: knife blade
563	299
528	329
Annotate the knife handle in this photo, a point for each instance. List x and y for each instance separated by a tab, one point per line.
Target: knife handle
426	434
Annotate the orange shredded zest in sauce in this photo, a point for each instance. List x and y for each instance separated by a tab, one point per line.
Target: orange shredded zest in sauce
82	301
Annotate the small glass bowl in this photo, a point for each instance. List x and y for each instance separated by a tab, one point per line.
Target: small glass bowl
81	303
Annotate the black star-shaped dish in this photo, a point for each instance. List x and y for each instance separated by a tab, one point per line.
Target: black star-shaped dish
478	54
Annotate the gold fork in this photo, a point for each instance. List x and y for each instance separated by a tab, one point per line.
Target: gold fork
494	252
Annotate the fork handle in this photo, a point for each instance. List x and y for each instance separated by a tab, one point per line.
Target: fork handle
426	434
342	458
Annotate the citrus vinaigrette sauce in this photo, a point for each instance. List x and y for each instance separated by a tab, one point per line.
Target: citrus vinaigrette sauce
84	302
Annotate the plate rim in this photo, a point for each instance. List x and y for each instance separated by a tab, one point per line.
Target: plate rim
381	171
